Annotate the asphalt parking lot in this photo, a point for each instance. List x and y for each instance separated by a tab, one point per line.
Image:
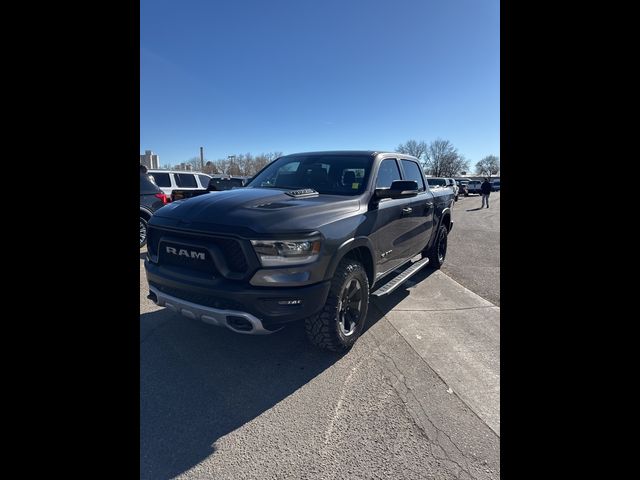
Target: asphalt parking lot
416	397
473	256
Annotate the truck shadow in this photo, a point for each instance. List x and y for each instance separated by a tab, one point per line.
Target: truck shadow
199	382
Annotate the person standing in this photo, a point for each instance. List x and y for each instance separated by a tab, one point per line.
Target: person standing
485	189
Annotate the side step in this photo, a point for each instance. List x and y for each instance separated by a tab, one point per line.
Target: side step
397	281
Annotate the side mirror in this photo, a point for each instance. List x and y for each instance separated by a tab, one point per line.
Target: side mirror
398	189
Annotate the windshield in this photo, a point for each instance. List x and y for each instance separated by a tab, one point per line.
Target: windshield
436	182
330	174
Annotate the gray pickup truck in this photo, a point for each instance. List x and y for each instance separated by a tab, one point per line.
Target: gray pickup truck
311	238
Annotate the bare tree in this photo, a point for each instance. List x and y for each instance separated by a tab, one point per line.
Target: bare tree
222	165
238	164
411	147
195	164
260	162
489	165
244	164
210	168
233	167
443	159
247	164
457	167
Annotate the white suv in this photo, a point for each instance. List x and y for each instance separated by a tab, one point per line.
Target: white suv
169	180
441	182
451	183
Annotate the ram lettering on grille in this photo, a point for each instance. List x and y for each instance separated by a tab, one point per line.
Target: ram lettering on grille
186	253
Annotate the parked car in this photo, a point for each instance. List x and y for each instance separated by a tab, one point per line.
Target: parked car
310	239
225	182
495	185
151	199
436	182
217	183
454	186
462	187
170	180
474	186
441	182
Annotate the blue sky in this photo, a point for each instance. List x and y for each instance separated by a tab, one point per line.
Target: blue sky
238	76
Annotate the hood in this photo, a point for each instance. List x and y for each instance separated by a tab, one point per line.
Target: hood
255	210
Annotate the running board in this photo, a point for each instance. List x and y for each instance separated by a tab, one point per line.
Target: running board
397	281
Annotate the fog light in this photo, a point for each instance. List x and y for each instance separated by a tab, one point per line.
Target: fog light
289	302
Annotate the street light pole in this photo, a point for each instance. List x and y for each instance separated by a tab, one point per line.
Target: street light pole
201	159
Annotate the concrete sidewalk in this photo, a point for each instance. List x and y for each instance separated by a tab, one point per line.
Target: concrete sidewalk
456	332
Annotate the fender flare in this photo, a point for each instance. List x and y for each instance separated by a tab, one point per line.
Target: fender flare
445	211
434	234
345	248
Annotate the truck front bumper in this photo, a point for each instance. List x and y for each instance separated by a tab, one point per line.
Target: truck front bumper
239	307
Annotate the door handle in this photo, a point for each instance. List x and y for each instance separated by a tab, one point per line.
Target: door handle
407	210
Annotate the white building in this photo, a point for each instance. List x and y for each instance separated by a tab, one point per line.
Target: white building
150	160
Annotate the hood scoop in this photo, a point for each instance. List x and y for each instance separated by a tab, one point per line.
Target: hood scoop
304	192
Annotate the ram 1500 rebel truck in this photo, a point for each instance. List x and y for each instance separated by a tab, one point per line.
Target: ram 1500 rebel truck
310	238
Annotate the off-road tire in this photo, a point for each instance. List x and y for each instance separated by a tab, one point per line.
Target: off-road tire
435	253
324	328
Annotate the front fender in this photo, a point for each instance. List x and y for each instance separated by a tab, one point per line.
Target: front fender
345	248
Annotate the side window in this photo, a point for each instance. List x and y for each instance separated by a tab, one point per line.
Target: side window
387	173
161	179
204	180
412	172
186	180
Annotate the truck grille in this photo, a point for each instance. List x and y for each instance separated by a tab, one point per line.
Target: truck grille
233	254
230	248
192	258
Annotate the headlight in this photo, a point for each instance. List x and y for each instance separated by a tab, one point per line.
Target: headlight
277	253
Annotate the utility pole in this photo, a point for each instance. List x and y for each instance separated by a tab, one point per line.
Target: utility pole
201	159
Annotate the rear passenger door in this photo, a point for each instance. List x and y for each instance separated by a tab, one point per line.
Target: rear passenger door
419	220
